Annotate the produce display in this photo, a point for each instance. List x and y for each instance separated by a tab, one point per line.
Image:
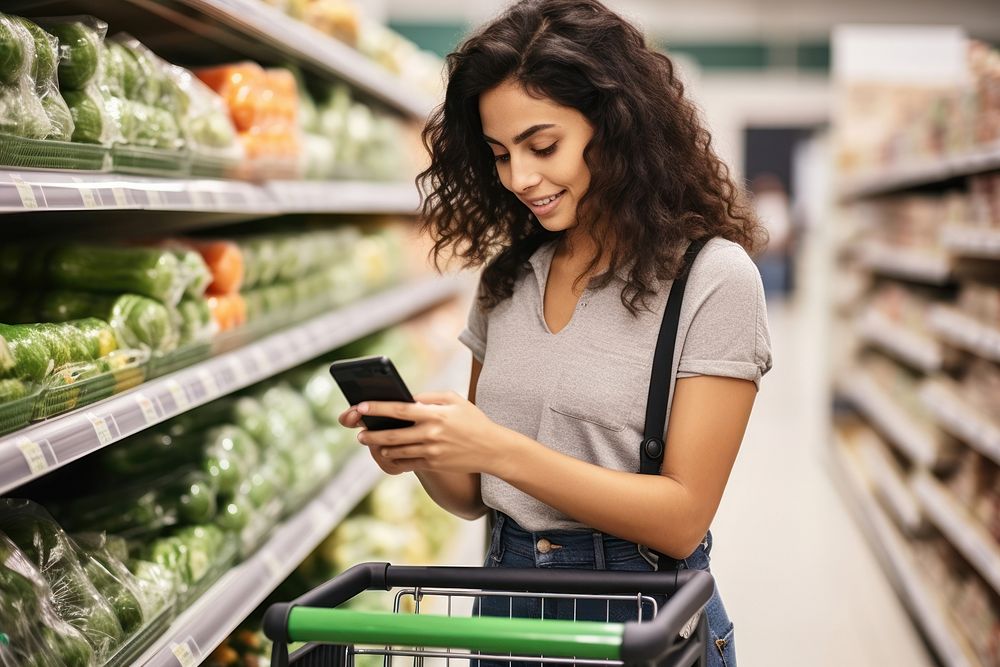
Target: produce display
345	138
397	523
263	105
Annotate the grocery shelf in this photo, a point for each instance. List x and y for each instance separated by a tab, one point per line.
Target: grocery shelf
907	263
40	190
962	529
916	174
258	21
947	407
38	449
902	342
203	626
891	483
921	446
897	558
972	241
955	327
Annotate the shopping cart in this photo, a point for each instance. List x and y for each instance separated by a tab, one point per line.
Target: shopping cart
338	635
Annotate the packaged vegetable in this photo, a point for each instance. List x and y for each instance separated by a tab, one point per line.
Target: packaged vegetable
74	597
91	123
228	310
143	323
21	110
225	262
98	334
197	323
43	74
36	635
80	49
17	50
150	272
146	125
33	359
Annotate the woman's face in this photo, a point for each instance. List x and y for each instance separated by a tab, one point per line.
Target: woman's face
538	146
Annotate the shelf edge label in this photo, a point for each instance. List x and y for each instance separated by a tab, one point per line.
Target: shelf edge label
33	455
180	397
185	654
100	424
148	409
25	192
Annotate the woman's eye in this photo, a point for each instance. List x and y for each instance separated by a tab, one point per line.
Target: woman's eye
548	150
502	159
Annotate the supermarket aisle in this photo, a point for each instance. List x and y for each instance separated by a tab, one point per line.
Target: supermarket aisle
800	581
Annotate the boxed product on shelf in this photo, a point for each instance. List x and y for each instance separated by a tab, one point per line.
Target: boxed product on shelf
973	606
979	387
884	127
981	302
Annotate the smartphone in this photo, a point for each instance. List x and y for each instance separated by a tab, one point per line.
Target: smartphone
372	379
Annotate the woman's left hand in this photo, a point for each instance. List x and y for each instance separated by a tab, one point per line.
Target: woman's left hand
449	434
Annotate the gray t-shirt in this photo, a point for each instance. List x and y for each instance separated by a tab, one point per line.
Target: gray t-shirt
582	391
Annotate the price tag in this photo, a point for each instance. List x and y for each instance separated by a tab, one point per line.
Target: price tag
33	455
184	654
86	194
25	192
198	199
121	199
101	429
273	565
209	383
180	396
238	371
148	409
155	198
260	359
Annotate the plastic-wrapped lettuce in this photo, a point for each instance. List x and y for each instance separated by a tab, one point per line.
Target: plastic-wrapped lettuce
36	635
21	111
152	272
190	553
46	83
203	116
197	323
74	597
33	359
138	322
92	124
80	49
104	560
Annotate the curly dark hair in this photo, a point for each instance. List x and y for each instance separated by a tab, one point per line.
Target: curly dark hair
651	161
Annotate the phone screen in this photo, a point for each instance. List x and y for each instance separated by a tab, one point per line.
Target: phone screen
372	379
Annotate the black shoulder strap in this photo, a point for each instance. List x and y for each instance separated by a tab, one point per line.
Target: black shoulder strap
651	452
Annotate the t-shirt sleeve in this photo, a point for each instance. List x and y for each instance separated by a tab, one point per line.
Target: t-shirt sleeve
474	334
728	334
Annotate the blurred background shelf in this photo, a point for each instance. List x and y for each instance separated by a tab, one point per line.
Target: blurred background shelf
960	527
893	548
903	177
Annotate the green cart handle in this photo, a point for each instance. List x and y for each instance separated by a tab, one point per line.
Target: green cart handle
634	643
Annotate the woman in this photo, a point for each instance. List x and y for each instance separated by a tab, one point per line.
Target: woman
566	160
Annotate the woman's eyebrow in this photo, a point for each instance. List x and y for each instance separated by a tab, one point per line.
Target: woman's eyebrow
524	135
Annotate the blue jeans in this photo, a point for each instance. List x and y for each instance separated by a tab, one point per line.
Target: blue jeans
512	546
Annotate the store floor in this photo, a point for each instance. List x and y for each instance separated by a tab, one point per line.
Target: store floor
802	585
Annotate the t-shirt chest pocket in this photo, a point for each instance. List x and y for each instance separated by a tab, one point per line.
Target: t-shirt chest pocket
601	390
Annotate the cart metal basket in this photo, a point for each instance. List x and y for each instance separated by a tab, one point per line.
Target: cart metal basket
338	635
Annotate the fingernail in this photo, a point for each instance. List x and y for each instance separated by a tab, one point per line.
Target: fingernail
361	436
363	408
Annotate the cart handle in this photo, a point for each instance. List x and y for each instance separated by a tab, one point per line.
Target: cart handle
690	591
565	639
